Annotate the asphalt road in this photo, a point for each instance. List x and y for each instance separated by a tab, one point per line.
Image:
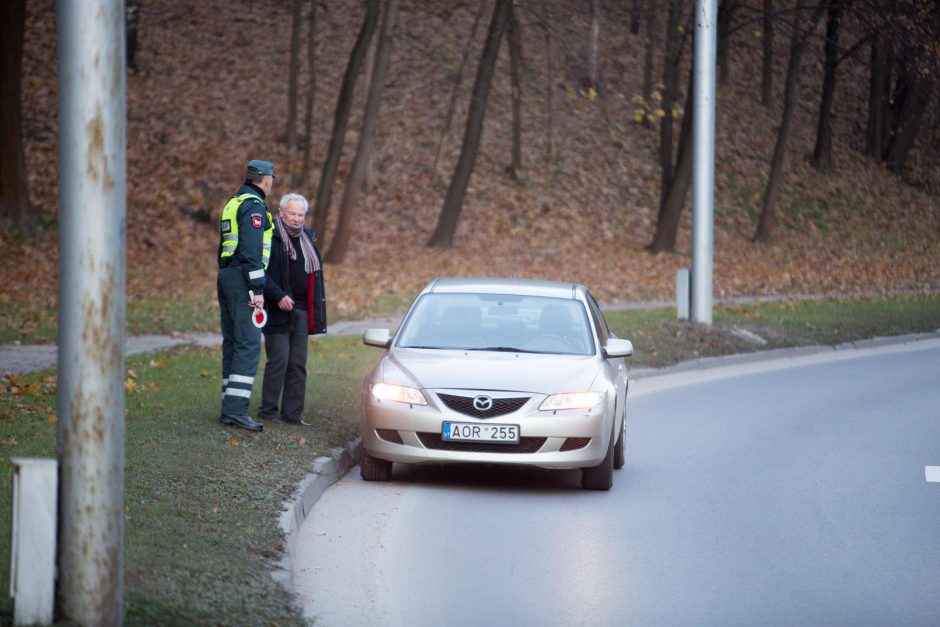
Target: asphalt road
799	491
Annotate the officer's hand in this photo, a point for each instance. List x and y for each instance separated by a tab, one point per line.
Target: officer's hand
286	304
257	301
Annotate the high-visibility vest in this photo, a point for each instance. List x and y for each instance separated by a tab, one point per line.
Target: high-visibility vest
230	228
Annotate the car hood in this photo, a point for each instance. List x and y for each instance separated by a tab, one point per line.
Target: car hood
518	372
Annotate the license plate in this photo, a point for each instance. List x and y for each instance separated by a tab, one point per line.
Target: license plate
476	432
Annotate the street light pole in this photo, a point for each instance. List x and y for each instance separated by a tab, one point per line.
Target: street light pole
703	159
92	225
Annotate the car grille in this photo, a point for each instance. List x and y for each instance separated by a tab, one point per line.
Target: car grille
464	404
436	442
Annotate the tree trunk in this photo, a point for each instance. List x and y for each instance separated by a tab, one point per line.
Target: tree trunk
648	55
822	152
132	20
877	100
775	178
725	17
341	118
370	120
293	70
368	179
590	81
550	94
767	65
443	235
304	178
911	103
515	72
452	103
14	197
670	210
670	86
635	11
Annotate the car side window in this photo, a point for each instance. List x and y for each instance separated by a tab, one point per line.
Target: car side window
597	317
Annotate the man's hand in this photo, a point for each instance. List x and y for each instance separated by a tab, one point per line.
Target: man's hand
286	303
255	301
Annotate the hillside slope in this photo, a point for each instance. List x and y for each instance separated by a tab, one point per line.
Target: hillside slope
210	93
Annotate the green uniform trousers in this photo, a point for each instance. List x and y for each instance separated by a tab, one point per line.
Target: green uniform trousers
241	341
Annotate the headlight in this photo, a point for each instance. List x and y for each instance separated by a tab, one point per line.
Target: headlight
398	393
571	400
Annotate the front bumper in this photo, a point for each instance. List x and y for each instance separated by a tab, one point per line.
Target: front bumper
399	432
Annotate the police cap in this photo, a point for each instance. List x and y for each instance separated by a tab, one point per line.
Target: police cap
265	168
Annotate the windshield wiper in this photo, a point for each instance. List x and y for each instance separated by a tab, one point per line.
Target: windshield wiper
501	349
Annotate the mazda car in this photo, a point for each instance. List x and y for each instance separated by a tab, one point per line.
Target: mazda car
498	371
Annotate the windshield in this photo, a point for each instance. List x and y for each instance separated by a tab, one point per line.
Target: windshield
498	322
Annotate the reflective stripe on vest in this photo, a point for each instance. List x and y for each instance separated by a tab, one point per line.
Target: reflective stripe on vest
230	236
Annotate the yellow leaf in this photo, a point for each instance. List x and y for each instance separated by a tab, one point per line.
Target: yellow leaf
233	442
130	385
52	418
758	34
204	373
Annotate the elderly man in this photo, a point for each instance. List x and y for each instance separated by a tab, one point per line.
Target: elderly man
295	299
244	249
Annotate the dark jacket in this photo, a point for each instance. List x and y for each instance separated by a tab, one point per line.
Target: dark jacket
277	286
252	220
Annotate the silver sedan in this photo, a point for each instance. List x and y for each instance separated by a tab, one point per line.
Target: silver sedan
498	371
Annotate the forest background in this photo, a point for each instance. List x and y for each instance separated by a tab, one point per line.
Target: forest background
827	137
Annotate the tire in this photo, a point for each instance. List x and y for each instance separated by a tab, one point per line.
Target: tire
600	477
373	469
620	453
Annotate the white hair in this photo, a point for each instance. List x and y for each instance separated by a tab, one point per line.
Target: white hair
286	198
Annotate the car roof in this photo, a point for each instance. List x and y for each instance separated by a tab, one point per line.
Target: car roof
522	287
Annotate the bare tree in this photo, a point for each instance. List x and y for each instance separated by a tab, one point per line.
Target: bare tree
878	95
443	235
515	73
549	93
822	151
767	61
670	87
452	103
911	97
635	11
726	11
370	120
648	54
14	196
293	70
670	207
311	92
593	45
341	117
797	46
132	21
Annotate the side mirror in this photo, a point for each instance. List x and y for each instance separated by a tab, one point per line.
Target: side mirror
616	347
381	338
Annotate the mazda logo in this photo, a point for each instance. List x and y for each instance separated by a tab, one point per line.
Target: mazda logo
482	403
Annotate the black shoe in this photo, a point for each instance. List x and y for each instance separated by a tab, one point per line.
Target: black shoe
270	418
244	421
297	422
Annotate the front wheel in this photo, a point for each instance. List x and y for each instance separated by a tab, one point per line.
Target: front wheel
374	469
620	454
600	477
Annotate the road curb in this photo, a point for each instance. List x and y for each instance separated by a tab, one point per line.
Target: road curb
326	471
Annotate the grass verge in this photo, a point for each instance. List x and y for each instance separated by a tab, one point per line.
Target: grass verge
202	501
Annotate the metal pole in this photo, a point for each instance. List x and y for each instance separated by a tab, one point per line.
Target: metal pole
92	225
703	159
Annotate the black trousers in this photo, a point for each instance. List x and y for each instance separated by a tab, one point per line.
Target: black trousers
285	374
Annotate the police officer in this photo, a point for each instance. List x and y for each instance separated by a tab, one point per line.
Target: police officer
244	249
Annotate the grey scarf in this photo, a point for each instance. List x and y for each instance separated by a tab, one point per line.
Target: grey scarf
286	232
